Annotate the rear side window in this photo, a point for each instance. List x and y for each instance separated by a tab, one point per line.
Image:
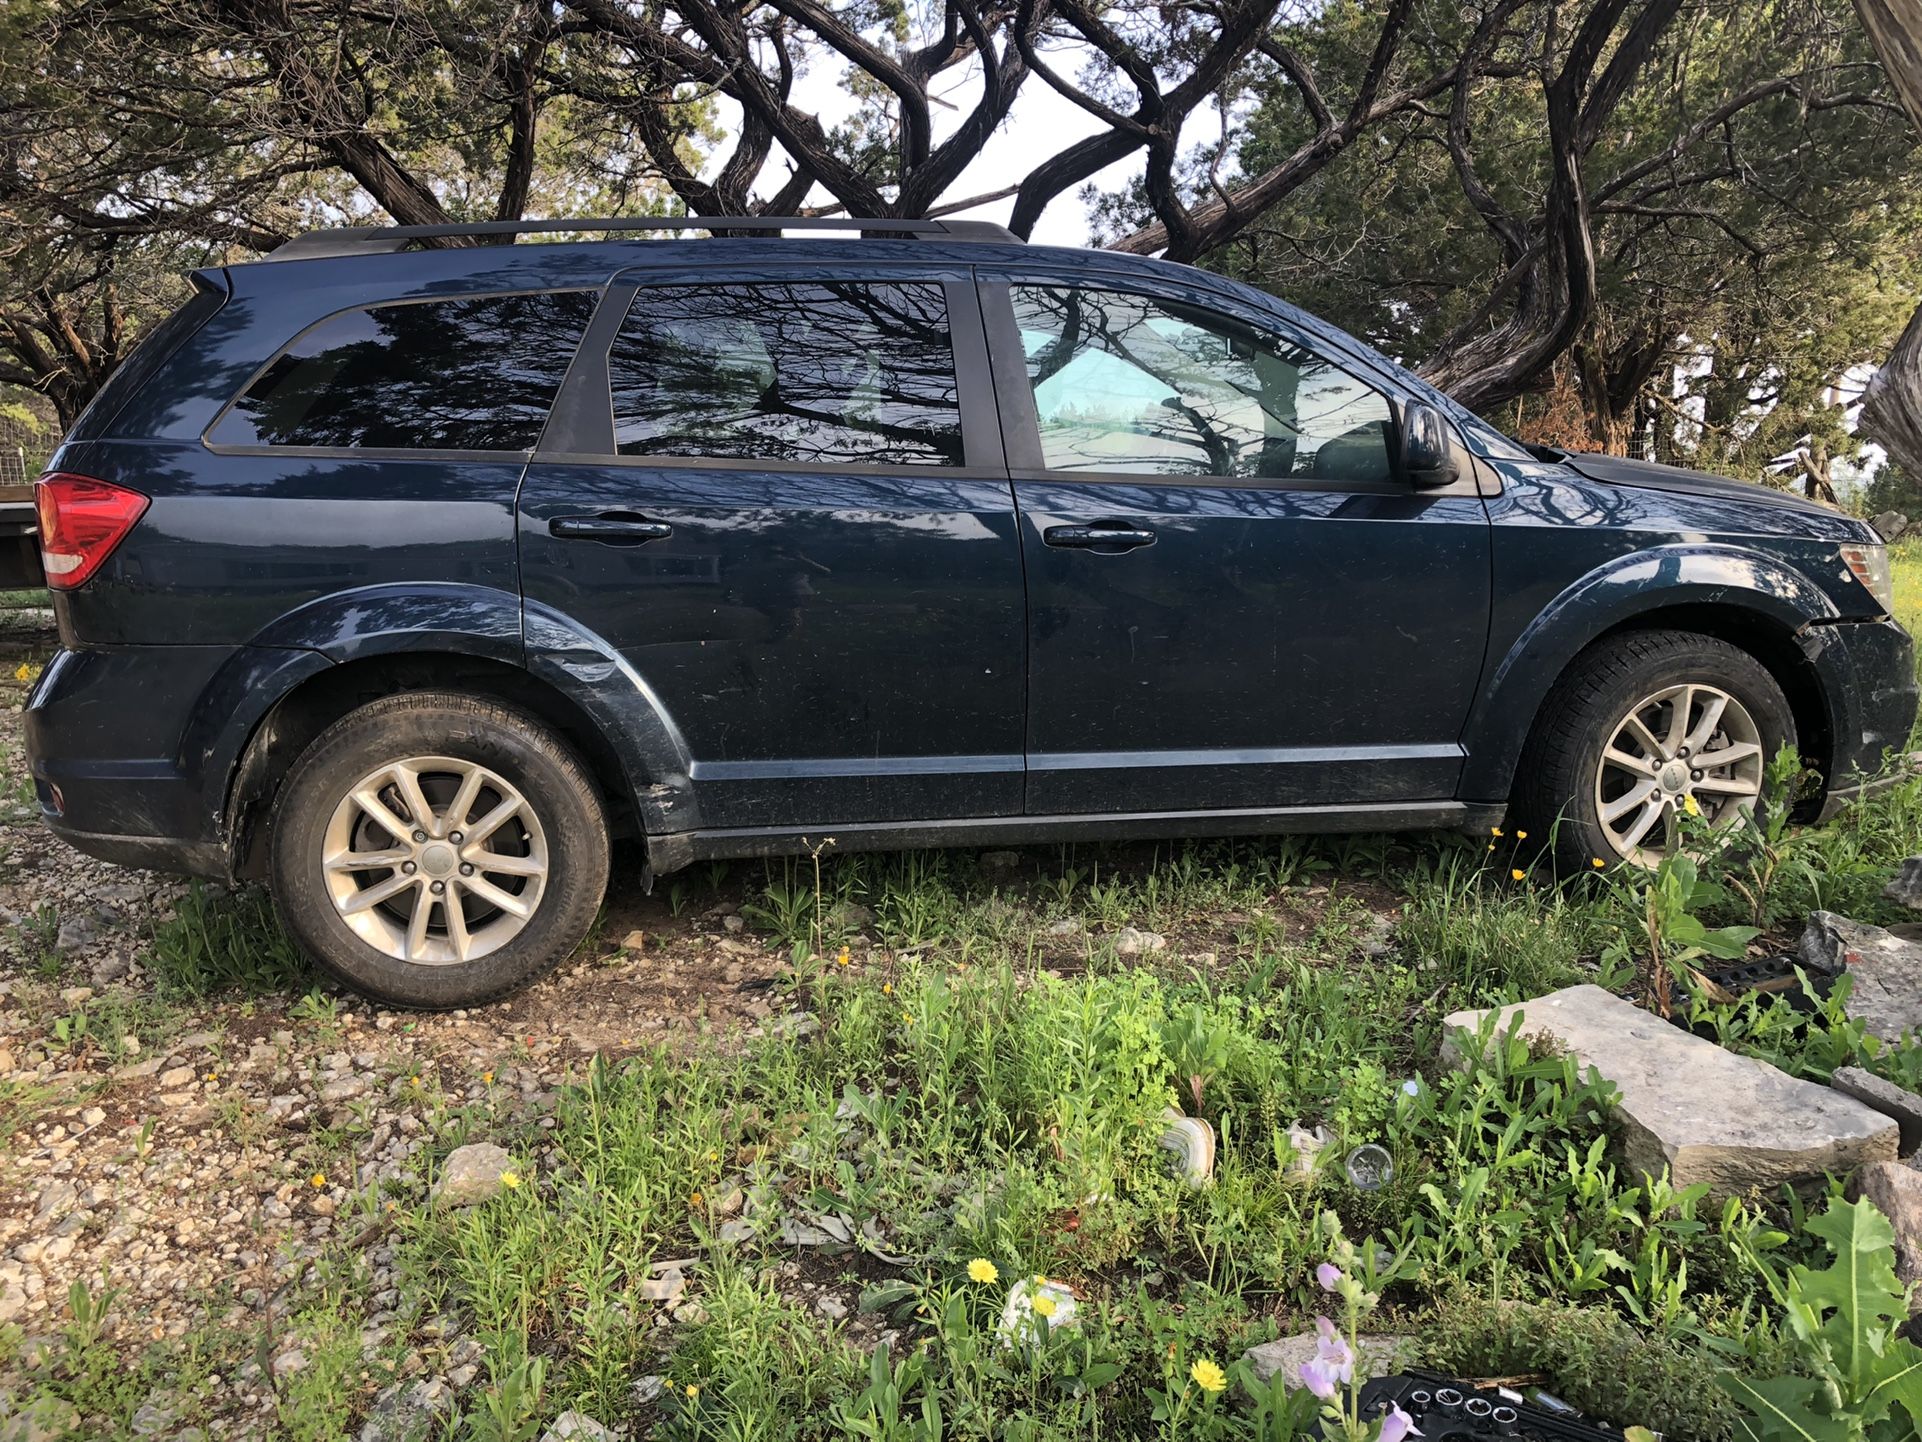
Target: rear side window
152	353
808	372
446	375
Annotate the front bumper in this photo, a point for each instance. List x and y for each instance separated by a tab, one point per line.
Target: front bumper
1867	674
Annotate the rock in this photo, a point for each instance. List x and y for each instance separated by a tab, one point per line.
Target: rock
54	1200
76	995
1905	1107
649	1388
1886	995
831	1307
1129	942
1022	1319
661	1289
1192	1141
1379	1356
1065	927
343	1089
175	1077
288	1363
77	933
1896	1192
409	1412
472	1174
733	925
1000	860
634	941
1890	525
1706	1114
579	1427
1905	887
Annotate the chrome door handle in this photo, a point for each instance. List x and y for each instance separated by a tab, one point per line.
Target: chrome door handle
1098	538
614	530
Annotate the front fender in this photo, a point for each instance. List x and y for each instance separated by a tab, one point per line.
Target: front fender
1613	594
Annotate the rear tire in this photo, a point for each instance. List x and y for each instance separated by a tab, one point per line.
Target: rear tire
432	850
1643	724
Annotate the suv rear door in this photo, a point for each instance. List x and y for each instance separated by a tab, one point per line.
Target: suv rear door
1233	601
778	492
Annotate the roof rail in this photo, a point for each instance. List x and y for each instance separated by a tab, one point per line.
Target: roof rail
378	239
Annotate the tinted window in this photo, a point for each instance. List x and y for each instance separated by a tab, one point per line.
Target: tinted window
1126	383
445	375
806	371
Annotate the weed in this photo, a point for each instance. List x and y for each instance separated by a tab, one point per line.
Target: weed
217	940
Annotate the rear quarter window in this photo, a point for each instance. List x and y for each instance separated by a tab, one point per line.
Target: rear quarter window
146	361
475	374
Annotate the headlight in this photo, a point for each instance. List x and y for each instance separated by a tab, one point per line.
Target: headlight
1870	566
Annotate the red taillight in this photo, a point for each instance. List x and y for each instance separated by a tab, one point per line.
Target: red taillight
81	521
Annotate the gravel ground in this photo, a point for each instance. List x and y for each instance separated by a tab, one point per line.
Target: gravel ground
200	1154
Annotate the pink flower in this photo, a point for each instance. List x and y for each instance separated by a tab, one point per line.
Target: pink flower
1332	1351
1397	1425
1329	1275
1318	1377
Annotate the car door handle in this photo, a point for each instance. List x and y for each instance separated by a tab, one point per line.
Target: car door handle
614	530
1098	538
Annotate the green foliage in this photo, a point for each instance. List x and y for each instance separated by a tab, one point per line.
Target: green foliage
216	940
1858	1379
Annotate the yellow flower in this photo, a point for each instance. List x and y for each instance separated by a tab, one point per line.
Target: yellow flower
907	1018
1208	1376
696	1200
693	1390
1494	831
1519	874
487	1077
213	1076
25	673
841	957
1691	805
318	1179
1043	1305
1521	836
1597	862
982	1270
887	988
1491	846
413	1081
510	1179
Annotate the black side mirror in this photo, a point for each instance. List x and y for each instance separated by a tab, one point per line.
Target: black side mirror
1428	458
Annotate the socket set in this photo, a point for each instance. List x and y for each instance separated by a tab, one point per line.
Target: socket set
1447	1409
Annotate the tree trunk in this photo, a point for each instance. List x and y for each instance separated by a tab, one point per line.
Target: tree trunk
1892	406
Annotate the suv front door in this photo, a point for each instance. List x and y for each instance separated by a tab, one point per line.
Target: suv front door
1234	602
780	495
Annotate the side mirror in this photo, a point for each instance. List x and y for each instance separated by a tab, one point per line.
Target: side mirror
1428	459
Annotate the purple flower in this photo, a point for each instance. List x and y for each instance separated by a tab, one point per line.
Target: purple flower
1327	1329
1397	1425
1318	1377
1332	1352
1329	1275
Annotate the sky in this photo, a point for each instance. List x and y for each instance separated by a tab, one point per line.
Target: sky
1041	123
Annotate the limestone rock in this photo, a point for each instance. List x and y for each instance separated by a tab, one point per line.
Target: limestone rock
1896	1192
1129	942
1378	1356
472	1174
1903	1106
578	1427
1891	525
1887	971
1704	1113
409	1412
1905	887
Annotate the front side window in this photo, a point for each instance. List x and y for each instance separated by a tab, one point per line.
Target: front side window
1126	383
448	375
810	372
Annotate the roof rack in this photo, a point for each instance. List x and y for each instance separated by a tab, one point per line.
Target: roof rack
378	239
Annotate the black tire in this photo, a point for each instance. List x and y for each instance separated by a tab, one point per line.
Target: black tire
1555	788
516	748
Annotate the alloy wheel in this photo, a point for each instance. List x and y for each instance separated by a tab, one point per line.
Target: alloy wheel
1687	748
435	860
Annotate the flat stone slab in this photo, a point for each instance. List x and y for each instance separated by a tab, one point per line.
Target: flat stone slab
1886	995
1688	1105
1380	1356
1900	1105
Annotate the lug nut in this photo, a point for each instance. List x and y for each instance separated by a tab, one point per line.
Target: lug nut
1683	751
420	836
466	869
438	887
1695	775
455	838
407	868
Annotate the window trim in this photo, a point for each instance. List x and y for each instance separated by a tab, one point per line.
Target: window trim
439	453
581	428
1022	424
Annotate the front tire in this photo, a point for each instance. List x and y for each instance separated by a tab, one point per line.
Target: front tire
431	850
1644	727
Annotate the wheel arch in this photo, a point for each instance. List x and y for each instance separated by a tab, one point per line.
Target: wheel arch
1761	607
319	700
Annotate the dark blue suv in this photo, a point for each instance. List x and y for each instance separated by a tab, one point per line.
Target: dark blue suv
405	578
